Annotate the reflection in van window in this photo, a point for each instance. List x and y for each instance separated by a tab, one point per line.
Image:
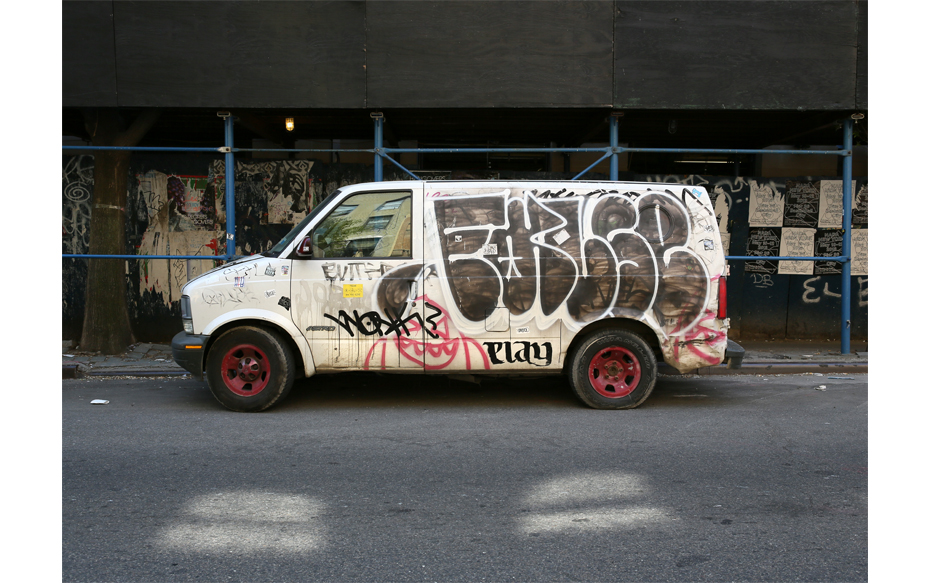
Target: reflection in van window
373	224
344	209
391	205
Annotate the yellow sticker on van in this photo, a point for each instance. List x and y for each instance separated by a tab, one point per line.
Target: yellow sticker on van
352	290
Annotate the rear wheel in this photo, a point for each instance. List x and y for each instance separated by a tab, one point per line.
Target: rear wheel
249	369
613	369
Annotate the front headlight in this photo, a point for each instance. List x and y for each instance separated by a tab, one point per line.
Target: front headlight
186	315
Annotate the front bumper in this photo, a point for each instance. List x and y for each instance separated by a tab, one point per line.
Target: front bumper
733	357
188	351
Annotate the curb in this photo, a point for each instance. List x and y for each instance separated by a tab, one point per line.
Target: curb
758	368
76	371
115	372
786	368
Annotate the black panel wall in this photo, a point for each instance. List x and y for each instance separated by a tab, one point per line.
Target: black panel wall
489	54
776	55
862	66
735	55
88	63
242	54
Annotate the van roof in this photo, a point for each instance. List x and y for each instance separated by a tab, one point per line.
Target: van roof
408	183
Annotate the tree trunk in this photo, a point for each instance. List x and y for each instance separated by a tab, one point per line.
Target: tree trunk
106	313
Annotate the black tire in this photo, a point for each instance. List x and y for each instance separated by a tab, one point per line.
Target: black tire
249	369
612	369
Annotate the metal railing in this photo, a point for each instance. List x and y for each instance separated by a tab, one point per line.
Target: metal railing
612	151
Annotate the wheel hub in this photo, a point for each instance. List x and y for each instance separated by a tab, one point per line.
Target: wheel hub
613	369
614	372
246	370
249	369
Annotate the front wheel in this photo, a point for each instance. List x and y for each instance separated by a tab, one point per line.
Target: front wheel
613	369
249	369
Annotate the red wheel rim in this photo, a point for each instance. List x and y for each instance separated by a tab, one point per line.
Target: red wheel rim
614	372
246	370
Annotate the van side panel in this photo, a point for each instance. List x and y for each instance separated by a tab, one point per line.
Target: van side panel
518	262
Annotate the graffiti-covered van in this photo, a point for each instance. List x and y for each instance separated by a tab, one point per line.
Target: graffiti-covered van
599	280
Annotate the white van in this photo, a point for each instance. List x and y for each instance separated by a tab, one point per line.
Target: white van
599	280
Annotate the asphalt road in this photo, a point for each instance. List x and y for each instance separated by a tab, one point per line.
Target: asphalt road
363	477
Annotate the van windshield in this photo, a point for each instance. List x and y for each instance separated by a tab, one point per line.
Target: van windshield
283	243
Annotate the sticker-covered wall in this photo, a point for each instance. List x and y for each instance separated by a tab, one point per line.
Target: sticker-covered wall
799	216
176	206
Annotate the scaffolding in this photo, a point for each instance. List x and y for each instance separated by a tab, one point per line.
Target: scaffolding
612	152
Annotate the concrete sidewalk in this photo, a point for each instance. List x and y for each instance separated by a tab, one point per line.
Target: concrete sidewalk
762	357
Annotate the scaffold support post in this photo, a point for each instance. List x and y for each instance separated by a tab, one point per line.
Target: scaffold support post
378	118
846	284
228	121
614	142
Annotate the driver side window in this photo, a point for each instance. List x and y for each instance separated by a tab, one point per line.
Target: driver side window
369	224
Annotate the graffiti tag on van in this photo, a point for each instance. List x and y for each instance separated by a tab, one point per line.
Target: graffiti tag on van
616	254
521	354
371	323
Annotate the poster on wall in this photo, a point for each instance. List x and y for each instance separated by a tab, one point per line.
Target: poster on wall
724	194
796	243
287	188
831	204
766	205
191	206
802	204
278	192
828	243
860	214
860	252
762	242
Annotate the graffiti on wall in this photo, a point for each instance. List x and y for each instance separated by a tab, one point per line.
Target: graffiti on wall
77	179
278	192
175	208
185	215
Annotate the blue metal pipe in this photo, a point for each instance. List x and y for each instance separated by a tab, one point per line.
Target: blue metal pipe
399	165
379	145
617	149
230	190
846	281
779	258
599	160
144	148
77	256
614	144
289	150
488	150
838	152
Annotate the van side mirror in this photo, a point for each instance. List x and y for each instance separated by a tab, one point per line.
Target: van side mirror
305	249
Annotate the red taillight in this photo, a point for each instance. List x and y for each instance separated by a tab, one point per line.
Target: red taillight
722	298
